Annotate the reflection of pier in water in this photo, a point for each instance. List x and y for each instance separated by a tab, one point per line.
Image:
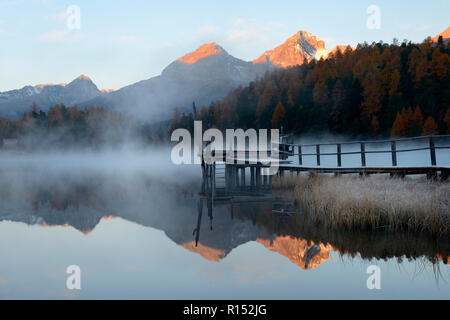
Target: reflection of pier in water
238	215
231	186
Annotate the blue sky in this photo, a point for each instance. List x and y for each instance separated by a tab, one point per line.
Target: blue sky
121	42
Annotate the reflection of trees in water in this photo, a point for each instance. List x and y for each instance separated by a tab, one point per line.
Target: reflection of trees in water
369	245
82	201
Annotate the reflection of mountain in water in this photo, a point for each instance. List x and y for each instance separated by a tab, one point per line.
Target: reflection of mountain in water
209	228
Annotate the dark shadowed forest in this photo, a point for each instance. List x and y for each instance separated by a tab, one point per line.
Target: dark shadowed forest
63	126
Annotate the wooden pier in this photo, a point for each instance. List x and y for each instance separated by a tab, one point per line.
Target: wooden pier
237	177
239	166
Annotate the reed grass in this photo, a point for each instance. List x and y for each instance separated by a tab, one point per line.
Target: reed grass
373	203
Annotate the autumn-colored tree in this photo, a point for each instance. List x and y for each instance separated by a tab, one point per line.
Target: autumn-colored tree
321	94
372	95
399	128
430	127
440	64
418	65
56	115
278	115
418	117
417	122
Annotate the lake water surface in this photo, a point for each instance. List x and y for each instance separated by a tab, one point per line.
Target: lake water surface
140	228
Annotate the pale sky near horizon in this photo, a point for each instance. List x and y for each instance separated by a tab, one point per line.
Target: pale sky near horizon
121	42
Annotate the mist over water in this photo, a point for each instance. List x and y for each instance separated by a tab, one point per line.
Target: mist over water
129	218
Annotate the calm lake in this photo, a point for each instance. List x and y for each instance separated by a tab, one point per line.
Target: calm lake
141	228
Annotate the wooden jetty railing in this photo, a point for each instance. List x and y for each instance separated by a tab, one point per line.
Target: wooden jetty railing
291	149
432	147
287	149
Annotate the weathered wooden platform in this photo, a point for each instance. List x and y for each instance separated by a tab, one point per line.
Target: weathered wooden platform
239	161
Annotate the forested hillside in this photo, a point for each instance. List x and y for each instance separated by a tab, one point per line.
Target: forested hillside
398	89
66	127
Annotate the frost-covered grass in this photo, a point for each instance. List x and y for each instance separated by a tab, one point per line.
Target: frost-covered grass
377	202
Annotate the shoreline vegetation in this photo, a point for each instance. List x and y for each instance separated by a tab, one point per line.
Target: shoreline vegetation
411	205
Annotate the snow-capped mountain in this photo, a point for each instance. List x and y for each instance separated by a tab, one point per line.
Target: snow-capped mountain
206	75
14	103
19	93
302	47
202	76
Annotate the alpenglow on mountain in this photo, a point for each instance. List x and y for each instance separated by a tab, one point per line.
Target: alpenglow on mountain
302	47
203	76
206	75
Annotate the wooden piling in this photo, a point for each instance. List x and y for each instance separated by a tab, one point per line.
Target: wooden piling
339	155
394	153
300	158
318	154
363	154
432	152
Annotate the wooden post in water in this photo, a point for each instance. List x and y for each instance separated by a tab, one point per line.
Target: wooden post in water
232	179
300	158
363	154
339	155
394	153
432	151
266	176
258	176
236	175
243	176
318	154
213	183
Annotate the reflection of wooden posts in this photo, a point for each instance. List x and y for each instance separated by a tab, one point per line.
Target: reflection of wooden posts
265	172
363	154
210	210
232	177
339	155
196	232
227	177
432	151
243	176
394	153
258	176
214	183
318	154
236	176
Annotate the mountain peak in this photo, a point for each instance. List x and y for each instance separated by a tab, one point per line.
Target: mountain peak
300	48
84	77
445	35
202	52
